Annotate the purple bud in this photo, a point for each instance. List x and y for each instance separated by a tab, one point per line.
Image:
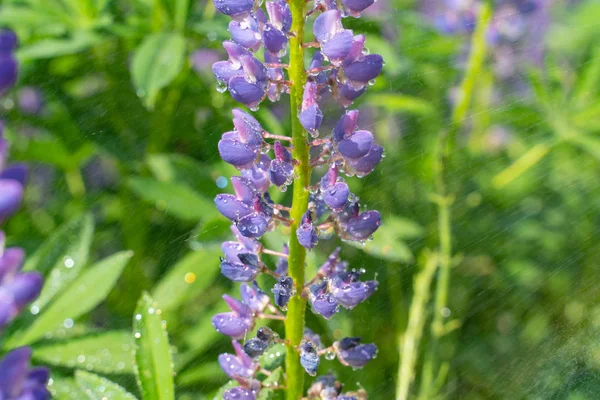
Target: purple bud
8	42
355	7
241	272
309	357
356	50
234	7
224	71
248	93
324	304
231	250
353	354
346	95
254	297
237	365
357	146
11	260
364	225
336	195
231	207
311	118
243	188
283	290
253	225
311	336
367	164
247	127
24	288
11	195
345	126
258	174
327	25
245	32
307	232
364	70
8	72
239	393
235	53
255	347
236	153
232	324
254	70
17	172
275	40
18	381
338	47
281	169
351	294
280	14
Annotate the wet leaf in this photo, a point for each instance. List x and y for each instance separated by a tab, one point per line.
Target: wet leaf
99	388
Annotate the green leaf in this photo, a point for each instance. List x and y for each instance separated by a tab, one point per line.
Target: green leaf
388	241
80	297
65	389
274	380
99	388
71	255
156	62
154	365
191	275
273	358
108	353
205	372
173	198
68	241
181	169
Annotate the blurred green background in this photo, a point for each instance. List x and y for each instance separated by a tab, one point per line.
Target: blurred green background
117	113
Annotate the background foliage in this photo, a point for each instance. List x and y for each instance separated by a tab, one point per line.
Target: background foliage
125	169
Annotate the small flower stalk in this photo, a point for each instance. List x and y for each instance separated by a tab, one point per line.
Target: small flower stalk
266	61
17	288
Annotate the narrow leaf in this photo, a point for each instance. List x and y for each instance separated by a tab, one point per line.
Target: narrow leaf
109	353
83	295
99	388
154	365
156	62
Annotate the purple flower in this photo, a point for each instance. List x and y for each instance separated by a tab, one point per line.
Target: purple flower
249	88
238	364
309	357
235	323
17	289
355	7
310	115
254	297
349	291
307	232
281	169
358	226
335	192
225	70
8	63
366	164
283	291
322	301
255	347
245	32
234	8
18	380
258	174
239	393
275	40
30	100
244	271
280	14
351	353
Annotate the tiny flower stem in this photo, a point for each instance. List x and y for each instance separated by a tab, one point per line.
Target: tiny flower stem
314	44
314	71
294	324
270	272
276	65
268	135
265	372
270	316
285	220
281	208
274	253
326	225
318	163
281	82
320	142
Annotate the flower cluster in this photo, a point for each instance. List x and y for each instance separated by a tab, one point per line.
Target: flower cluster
17	289
255	70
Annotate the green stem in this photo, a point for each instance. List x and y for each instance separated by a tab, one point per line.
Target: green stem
414	330
294	324
444	199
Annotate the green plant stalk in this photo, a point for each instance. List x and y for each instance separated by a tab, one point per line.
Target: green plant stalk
444	199
414	330
294	323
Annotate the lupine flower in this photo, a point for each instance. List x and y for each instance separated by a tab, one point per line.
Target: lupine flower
237	322
238	365
18	380
307	232
351	353
341	66
8	62
17	289
12	180
309	357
